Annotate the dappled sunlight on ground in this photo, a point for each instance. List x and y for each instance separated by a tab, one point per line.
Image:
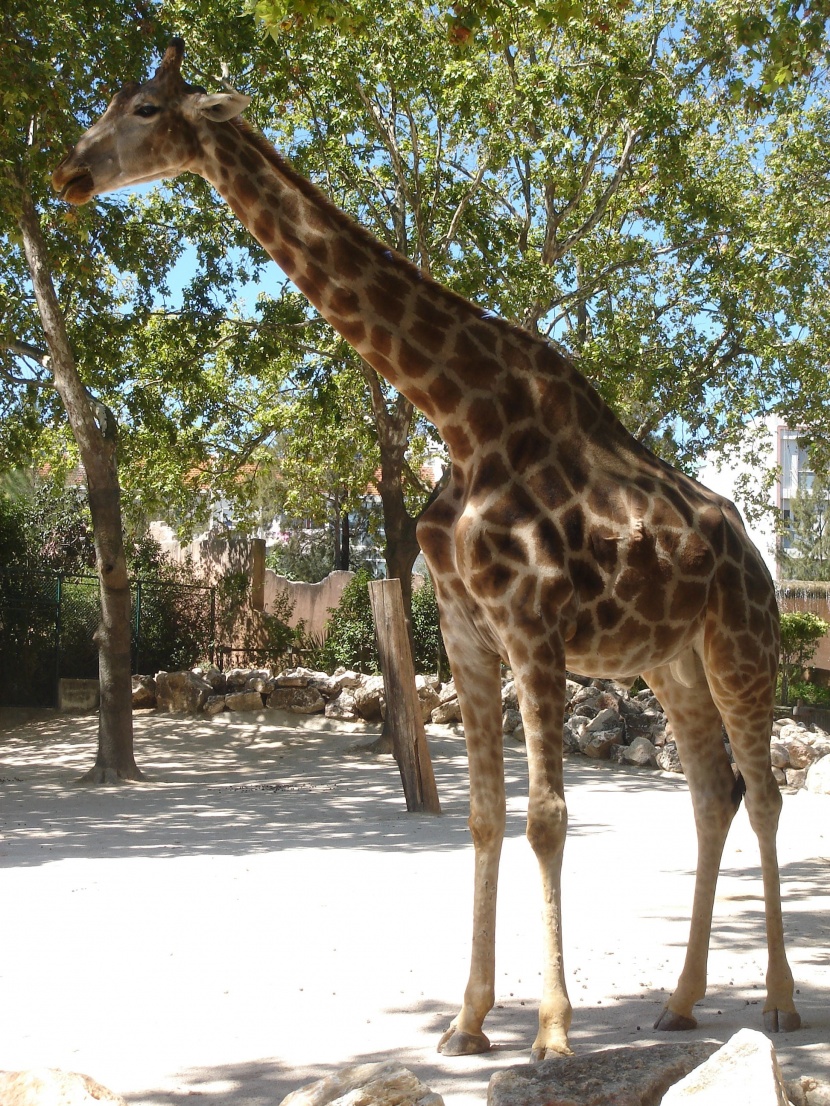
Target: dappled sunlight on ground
263	910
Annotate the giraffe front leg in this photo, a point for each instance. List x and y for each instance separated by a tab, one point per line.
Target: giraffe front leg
479	695
542	701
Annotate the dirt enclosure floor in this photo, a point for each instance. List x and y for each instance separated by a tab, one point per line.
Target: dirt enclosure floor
263	911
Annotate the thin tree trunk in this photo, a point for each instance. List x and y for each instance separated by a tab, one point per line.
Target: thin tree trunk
94	428
402	548
345	543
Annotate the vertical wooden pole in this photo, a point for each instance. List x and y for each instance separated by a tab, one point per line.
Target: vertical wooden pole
403	709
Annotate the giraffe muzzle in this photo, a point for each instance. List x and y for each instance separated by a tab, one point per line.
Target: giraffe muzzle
77	190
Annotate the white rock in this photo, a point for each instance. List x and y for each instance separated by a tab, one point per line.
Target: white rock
510	720
509	696
299	700
181	691
447	711
791	731
818	777
342	709
669	759
778	754
386	1084
369	699
214	704
640	752
427	697
243	700
52	1087
346	678
448	692
745	1070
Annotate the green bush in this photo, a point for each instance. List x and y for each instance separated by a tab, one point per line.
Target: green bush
350	631
801	631
430	654
306	556
810	694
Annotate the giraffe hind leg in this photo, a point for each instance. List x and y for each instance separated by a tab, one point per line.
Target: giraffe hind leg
715	795
749	739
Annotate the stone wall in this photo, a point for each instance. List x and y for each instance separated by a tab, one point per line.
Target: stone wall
602	720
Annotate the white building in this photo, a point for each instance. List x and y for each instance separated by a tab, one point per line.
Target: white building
778	455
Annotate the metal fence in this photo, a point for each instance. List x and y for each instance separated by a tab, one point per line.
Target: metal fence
47	623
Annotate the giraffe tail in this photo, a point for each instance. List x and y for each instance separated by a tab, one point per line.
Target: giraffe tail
738	790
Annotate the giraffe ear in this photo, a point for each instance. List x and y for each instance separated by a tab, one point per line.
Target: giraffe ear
221	106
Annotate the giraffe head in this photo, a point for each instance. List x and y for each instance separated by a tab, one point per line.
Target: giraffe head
149	131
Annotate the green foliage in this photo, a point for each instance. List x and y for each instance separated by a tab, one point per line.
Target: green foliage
44	530
350	631
430	654
807	531
303	556
265	639
12	531
813	695
801	631
53	527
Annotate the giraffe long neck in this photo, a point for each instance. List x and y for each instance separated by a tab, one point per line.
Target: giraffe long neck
477	378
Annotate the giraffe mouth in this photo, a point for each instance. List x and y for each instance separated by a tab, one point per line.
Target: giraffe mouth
78	189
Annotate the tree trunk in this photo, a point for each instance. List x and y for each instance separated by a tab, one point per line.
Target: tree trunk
402	548
345	542
94	428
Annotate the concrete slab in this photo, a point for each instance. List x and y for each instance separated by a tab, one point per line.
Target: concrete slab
263	911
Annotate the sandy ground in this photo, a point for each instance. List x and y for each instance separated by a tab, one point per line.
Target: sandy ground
264	911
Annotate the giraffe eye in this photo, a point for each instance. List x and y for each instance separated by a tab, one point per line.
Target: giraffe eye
147	110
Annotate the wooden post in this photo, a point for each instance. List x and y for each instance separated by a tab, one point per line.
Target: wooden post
403	709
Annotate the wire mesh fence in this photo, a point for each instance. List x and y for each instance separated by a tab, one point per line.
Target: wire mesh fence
29	629
48	622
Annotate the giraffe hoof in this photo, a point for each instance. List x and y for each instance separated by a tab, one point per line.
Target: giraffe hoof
456	1043
669	1022
781	1021
548	1052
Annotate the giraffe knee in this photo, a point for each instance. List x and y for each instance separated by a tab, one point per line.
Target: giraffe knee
547	822
763	803
487	829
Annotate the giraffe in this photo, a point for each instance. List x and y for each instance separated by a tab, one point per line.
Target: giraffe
558	541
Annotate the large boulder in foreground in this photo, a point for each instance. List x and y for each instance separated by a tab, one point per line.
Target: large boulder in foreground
621	1076
52	1087
744	1070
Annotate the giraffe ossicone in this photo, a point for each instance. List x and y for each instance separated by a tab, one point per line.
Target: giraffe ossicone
560	541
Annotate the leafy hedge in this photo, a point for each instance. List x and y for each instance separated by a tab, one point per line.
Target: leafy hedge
350	632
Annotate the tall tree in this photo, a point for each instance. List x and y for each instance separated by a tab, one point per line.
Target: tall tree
618	177
41	64
804	542
613	176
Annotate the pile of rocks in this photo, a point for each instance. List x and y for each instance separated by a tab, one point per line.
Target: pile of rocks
602	720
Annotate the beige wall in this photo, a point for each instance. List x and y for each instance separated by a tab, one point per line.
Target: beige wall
311	601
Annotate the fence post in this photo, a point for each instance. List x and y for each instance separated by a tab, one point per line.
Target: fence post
403	709
137	624
213	628
58	607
